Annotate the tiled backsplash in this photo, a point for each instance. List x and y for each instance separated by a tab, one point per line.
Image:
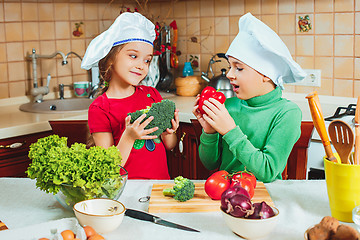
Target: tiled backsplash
332	45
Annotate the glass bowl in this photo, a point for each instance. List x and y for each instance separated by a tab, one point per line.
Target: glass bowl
111	189
356	217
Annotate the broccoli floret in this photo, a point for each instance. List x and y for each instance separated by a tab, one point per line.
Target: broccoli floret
162	111
182	191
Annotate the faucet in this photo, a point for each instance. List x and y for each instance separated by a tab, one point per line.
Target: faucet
93	75
37	92
61	89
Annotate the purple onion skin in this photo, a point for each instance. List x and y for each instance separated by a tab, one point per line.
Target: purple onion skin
230	192
240	206
262	211
256	214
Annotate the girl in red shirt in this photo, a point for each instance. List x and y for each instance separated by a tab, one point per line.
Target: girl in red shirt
123	54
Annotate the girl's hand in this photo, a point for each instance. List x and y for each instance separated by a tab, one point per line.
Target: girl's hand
205	125
174	123
218	116
137	130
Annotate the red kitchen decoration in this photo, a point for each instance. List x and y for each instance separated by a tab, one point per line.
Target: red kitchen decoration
78	30
304	23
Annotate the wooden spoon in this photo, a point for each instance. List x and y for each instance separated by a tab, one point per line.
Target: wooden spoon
342	137
319	123
357	133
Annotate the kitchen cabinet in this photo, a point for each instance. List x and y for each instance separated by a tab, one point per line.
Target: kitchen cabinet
187	162
184	159
14	159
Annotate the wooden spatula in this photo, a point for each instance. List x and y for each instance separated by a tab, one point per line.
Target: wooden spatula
342	137
357	133
319	123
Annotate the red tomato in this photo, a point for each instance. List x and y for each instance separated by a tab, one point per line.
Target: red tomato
246	175
216	184
245	183
210	92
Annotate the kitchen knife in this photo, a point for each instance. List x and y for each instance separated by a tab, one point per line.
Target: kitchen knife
151	218
319	123
357	133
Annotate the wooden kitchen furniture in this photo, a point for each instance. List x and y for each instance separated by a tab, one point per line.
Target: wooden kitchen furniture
182	160
15	161
295	168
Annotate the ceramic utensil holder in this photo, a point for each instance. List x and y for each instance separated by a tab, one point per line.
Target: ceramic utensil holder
343	187
81	89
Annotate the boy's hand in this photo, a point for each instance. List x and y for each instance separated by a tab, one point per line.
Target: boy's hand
174	123
205	125
137	130
217	116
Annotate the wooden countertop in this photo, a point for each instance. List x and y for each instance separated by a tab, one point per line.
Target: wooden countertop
14	122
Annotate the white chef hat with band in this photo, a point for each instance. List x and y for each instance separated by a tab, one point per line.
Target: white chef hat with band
259	47
128	27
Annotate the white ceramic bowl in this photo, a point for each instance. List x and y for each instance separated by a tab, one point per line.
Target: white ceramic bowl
102	214
251	228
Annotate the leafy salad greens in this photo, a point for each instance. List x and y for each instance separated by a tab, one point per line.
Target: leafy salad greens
79	173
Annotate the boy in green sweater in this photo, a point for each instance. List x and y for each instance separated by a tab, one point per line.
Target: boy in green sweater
258	128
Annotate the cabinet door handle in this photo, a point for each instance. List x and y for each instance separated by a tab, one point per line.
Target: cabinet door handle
13	146
181	144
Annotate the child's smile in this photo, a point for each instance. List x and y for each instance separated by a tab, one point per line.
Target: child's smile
132	63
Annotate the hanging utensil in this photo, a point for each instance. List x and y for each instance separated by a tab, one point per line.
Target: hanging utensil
342	137
319	123
357	133
174	58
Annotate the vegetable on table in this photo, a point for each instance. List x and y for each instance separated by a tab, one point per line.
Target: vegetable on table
210	92
182	191
244	175
94	171
246	184
236	202
330	228
162	112
216	184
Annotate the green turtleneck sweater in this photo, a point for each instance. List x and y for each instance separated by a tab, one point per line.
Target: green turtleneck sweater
267	127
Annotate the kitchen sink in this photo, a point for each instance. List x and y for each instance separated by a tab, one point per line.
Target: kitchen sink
58	106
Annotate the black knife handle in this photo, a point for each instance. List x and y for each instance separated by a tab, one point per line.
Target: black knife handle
139	215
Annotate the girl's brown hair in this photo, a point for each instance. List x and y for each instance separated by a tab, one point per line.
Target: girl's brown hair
105	70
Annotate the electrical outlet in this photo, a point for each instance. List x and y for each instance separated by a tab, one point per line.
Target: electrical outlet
313	78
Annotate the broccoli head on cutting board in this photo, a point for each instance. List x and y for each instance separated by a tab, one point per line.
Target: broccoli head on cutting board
162	112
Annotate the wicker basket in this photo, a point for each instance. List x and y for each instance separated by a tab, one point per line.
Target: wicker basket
189	86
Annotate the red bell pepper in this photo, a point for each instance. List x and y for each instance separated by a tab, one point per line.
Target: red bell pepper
210	92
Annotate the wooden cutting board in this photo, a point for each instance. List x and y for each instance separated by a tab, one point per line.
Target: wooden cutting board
201	201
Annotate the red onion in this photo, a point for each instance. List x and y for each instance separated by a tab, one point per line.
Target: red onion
230	192
239	206
261	211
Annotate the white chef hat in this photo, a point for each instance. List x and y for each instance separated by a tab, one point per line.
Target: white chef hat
128	27
259	47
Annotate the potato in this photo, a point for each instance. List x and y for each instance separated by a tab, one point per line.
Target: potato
319	232
345	232
330	223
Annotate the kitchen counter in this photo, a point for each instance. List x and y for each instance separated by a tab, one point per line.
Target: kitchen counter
301	205
14	122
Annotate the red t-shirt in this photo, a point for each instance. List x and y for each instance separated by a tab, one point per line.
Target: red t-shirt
147	159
